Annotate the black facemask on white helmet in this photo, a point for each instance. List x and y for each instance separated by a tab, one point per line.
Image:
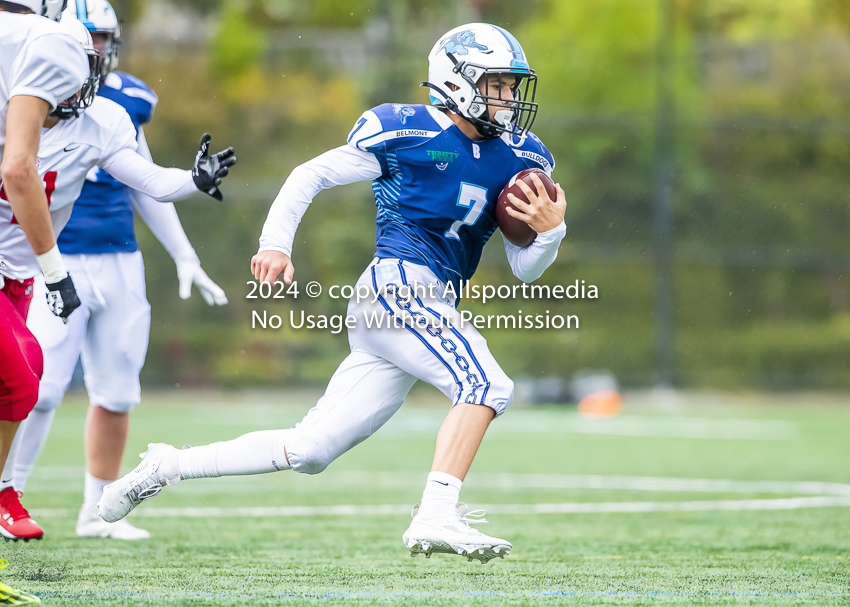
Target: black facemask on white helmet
460	68
71	107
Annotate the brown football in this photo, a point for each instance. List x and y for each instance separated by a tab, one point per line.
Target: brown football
516	231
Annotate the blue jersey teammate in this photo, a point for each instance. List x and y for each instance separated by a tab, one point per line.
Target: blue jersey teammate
436	172
110	330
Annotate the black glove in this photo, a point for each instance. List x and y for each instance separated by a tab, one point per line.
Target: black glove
62	298
209	170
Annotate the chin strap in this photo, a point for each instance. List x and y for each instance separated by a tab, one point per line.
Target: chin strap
480	125
447	101
484	127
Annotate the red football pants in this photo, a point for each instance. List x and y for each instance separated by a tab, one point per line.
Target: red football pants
21	361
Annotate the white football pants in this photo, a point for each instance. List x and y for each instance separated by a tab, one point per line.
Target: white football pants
373	381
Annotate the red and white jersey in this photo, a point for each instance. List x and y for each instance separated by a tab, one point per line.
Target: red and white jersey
37	58
66	153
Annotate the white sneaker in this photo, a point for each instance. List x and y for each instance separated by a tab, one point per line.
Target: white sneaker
143	483
453	535
89	524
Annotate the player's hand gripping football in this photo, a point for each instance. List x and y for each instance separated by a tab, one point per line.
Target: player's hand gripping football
266	266
62	298
541	213
210	170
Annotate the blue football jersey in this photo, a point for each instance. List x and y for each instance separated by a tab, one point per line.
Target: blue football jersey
102	219
436	198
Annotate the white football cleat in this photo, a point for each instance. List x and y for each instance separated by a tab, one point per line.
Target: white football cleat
453	535
143	483
89	524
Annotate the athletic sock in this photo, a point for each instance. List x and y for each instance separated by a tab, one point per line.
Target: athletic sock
253	453
33	431
198	462
93	490
439	500
7	475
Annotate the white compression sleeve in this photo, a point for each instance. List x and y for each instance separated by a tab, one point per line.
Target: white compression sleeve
161	217
339	166
135	171
529	263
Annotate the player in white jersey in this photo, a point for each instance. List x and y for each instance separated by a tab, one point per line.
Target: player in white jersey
111	328
436	172
102	136
40	65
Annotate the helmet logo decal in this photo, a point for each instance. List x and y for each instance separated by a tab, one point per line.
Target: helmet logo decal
405	111
460	43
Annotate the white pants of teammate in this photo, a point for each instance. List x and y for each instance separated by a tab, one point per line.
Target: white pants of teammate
109	330
373	381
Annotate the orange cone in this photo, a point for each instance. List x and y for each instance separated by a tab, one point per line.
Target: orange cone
605	403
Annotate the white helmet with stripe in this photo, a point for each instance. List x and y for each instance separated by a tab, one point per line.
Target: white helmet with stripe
456	65
99	18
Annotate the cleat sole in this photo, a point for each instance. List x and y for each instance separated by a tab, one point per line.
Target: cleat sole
470	553
22	539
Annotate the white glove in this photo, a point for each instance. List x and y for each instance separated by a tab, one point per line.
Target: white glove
189	271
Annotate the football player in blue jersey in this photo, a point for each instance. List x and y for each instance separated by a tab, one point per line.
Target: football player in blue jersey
436	173
111	329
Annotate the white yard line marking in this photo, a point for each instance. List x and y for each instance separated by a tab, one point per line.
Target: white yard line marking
794	503
649	483
371	480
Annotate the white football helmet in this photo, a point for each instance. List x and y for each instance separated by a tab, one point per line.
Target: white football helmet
457	64
70	108
99	17
51	9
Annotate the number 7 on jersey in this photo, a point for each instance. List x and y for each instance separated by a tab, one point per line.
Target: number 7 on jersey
470	196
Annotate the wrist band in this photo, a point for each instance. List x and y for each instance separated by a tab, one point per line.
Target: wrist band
52	265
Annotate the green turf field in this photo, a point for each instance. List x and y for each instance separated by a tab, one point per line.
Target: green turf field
782	542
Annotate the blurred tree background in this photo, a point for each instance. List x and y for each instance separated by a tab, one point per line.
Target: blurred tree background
759	142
